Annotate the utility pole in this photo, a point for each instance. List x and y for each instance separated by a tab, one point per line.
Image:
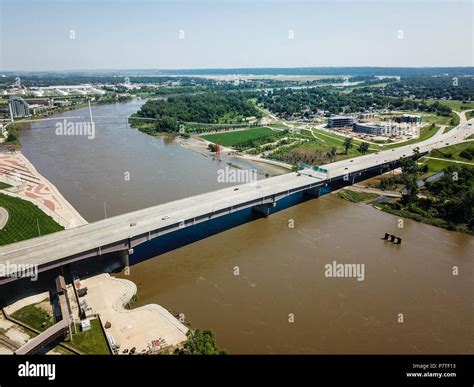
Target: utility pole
90	112
11	111
105	211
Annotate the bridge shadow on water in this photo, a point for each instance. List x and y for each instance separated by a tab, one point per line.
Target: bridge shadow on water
156	247
188	235
15	290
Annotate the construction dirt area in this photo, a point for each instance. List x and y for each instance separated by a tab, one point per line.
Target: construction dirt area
148	328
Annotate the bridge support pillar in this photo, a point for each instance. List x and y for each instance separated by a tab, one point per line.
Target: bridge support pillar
313	192
263	209
124	257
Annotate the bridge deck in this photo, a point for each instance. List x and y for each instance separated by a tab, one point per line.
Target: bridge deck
58	246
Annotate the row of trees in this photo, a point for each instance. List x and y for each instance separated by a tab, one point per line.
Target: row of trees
200	342
211	108
429	87
451	198
288	103
363	146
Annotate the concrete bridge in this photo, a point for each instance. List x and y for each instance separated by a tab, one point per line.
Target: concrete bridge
122	233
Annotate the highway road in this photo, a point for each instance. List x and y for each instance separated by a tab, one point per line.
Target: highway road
54	247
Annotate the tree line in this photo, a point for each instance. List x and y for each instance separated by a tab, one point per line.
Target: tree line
210	108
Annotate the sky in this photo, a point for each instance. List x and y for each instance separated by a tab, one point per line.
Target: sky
41	35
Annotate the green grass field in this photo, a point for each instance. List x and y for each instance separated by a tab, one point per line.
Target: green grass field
456	105
435	166
24	219
453	152
234	138
92	342
34	316
4	185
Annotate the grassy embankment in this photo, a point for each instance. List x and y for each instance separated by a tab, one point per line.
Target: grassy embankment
92	342
34	316
449	156
356	197
25	221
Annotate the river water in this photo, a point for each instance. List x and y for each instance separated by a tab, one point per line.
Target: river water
261	287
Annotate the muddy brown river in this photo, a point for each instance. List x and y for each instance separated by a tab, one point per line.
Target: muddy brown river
261	286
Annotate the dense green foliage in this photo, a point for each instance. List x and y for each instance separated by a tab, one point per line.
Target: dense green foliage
211	108
449	201
440	87
290	103
356	197
200	342
12	137
363	148
243	139
467	154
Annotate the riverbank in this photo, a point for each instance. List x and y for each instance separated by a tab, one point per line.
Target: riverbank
199	145
148	328
28	184
427	205
21	122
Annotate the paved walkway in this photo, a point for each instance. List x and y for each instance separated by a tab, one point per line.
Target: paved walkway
3	217
142	327
16	170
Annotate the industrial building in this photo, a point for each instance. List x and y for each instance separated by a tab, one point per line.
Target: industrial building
366	116
19	107
340	121
375	129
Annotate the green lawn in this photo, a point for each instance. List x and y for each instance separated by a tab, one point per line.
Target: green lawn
456	104
453	152
4	185
34	316
24	219
435	166
470	115
92	342
234	138
328	144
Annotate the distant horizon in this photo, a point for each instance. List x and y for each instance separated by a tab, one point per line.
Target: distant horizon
225	69
231	34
